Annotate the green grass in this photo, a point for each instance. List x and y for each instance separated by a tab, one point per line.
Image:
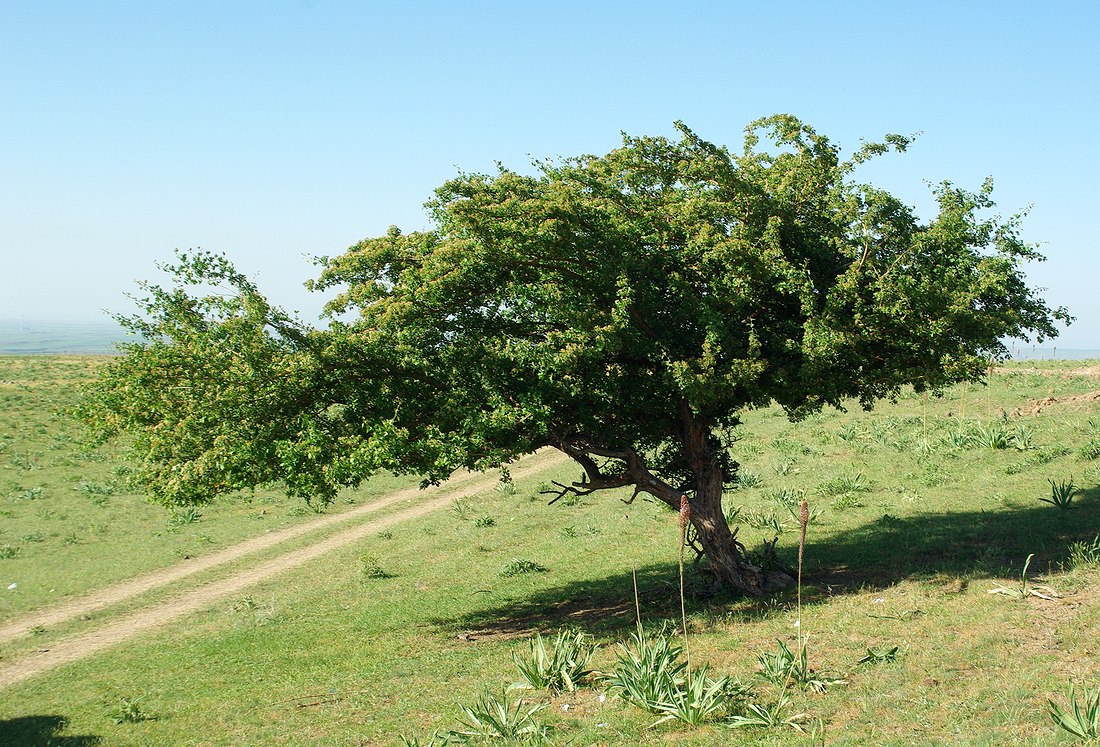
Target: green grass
332	654
90	528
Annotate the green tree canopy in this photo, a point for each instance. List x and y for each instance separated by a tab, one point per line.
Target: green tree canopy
622	308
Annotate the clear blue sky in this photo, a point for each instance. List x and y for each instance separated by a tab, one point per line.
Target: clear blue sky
274	131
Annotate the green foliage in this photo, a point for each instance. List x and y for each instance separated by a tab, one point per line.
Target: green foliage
784	667
1061	494
1085	554
767	522
484	522
561	667
698	700
1082	720
846	501
591	305
648	671
8	552
499	718
1090	450
773	716
372	567
846	483
787	497
1026	588
746	479
29	494
880	655
184	515
129	711
521	566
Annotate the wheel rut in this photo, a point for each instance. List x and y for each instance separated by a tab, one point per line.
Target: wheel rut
143	619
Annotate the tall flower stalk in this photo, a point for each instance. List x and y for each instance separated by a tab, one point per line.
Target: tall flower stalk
685	520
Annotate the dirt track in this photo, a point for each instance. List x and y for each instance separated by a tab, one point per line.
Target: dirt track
141	620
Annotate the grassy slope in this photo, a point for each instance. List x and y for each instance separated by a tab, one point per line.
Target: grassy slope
905	557
68	516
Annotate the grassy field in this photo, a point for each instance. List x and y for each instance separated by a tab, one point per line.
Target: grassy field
920	509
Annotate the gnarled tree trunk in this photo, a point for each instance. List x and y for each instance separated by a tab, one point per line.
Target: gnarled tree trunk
723	553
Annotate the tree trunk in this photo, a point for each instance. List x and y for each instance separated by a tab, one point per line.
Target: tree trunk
724	557
723	554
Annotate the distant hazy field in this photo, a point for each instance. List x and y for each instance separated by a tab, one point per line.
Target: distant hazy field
29	337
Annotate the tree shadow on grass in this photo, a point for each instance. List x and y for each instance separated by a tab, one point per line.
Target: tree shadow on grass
41	731
875	555
962	544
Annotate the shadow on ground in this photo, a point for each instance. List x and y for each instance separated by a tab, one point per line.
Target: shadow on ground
937	547
41	731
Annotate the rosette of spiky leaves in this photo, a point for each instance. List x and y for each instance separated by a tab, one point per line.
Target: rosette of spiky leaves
772	716
1082	720
499	717
784	667
649	671
699	700
559	667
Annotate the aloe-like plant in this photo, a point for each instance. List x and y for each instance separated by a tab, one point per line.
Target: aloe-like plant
1085	554
1061	494
1082	720
772	716
559	667
783	667
880	654
499	717
1026	588
700	699
649	671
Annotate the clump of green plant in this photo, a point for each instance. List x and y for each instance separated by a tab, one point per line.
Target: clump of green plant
30	494
520	566
773	716
700	699
7	552
1061	494
485	522
784	667
768	522
184	515
461	508
1026	588
746	479
846	483
1082	720
1091	450
1085	554
372	567
96	488
787	497
33	537
437	739
880	655
560	667
648	670
130	712
846	501
500	718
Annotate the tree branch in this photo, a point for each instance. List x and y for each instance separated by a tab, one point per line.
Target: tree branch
634	472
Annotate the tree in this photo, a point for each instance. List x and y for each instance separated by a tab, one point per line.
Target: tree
623	309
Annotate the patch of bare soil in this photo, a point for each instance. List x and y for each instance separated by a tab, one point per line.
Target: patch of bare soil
1036	406
144	619
1085	372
